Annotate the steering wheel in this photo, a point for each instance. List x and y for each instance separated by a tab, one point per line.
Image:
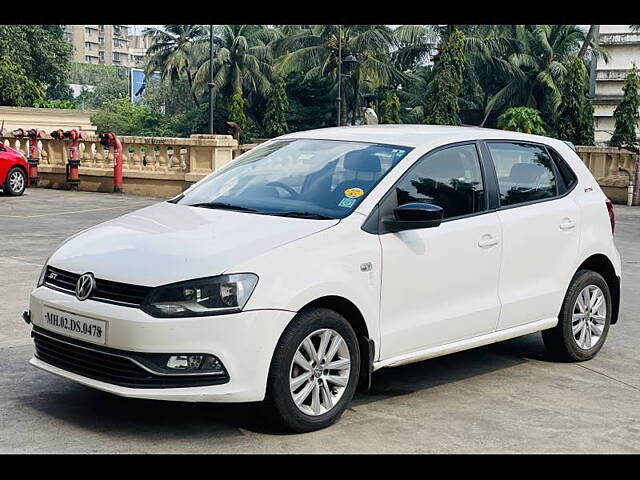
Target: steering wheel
285	187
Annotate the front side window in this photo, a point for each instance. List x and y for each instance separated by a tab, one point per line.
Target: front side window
525	172
299	177
450	178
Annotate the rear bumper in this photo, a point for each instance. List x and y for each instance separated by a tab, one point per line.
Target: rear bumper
244	343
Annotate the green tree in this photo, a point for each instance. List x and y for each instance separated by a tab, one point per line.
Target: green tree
522	119
311	104
119	115
275	120
448	69
108	83
530	75
174	50
16	88
390	109
238	115
40	53
243	59
313	50
626	114
575	116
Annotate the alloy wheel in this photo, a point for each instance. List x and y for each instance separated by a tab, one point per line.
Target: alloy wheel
589	317
319	372
16	182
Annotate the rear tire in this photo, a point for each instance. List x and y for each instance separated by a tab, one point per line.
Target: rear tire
15	183
311	376
584	320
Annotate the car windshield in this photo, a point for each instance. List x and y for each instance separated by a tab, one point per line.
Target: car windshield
316	179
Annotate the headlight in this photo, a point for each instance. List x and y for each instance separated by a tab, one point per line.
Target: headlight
205	296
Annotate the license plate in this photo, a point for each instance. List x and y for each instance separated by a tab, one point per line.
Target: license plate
76	326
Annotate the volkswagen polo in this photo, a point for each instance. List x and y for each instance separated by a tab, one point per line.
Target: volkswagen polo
298	269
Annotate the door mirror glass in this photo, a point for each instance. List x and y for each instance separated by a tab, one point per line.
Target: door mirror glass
411	216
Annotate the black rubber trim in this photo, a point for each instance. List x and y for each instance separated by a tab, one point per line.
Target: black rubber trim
114	366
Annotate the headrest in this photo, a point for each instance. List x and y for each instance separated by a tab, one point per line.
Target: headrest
364	160
446	166
526	172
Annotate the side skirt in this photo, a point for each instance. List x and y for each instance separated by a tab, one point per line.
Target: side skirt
466	344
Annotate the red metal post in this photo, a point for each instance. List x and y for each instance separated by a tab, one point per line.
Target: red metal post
110	139
73	164
34	154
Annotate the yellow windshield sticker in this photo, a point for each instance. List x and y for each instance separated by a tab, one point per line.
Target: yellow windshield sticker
353	192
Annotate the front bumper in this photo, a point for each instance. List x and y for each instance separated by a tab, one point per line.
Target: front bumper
244	343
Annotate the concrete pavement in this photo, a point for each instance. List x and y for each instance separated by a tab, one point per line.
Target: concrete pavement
506	397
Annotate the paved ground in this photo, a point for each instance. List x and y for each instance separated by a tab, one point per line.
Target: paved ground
502	398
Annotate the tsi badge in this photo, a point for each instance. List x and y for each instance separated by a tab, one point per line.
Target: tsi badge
85	286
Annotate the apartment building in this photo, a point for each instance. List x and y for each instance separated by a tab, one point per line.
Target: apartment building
117	45
623	46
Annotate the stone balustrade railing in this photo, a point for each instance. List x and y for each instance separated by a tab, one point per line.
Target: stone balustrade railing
150	165
162	166
605	164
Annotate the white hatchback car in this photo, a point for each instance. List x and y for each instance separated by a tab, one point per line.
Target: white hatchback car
301	267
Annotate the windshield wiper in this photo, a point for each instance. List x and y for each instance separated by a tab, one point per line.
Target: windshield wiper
225	206
315	216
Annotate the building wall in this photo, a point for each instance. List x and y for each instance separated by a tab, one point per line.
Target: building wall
47	119
623	46
107	45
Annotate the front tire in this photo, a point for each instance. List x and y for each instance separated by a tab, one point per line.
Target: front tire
314	371
584	320
15	183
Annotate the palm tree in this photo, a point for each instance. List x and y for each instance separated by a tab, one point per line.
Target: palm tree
414	46
172	51
532	72
313	49
243	60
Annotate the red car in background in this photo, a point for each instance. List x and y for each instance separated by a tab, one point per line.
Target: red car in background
13	171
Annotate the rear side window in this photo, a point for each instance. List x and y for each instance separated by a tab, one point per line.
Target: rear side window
525	172
567	178
450	178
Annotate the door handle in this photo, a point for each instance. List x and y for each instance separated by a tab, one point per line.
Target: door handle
567	224
487	241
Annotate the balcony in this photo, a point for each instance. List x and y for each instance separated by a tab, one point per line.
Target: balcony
618	75
619	39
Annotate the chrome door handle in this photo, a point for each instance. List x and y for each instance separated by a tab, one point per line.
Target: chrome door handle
487	241
567	224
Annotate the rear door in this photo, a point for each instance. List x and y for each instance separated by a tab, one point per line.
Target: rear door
540	231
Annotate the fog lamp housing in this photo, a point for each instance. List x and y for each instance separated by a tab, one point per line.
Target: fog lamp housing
194	363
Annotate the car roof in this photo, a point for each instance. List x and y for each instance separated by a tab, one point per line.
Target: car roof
429	136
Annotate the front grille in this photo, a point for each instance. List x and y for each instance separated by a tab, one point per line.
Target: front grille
107	291
109	365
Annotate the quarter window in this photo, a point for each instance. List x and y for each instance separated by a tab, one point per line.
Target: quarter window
566	174
525	172
450	178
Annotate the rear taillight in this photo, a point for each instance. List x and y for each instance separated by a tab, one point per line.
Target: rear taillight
612	215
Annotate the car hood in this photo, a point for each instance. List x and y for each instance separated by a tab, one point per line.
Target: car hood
167	243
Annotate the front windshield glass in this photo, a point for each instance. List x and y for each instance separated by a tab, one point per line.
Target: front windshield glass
299	177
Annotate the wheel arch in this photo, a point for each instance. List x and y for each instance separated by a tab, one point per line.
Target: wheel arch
354	316
601	264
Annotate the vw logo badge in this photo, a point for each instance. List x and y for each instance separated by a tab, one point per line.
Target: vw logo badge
85	286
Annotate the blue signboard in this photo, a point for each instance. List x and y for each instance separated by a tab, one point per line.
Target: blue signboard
136	84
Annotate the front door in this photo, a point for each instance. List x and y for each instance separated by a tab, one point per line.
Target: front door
440	284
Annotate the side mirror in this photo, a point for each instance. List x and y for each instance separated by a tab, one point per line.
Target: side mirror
411	216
